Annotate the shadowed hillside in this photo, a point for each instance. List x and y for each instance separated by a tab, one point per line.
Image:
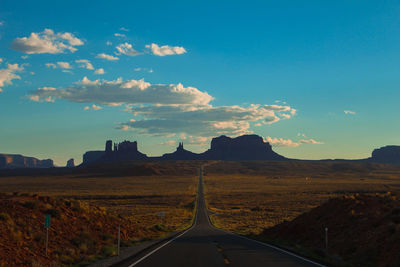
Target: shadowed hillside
114	169
296	168
363	230
79	232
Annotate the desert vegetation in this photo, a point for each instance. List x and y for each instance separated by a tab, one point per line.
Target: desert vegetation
86	208
247	197
362	230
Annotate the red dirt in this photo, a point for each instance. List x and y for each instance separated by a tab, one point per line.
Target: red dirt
362	230
78	233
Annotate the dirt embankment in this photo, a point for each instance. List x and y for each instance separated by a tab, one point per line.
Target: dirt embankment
363	230
78	233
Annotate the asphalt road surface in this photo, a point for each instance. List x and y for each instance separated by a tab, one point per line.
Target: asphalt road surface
205	245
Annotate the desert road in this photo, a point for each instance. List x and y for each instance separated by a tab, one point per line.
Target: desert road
205	245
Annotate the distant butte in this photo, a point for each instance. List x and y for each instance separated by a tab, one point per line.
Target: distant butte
11	161
245	147
386	154
241	148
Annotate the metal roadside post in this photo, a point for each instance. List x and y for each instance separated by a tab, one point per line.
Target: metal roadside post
161	215
326	239
119	238
47	219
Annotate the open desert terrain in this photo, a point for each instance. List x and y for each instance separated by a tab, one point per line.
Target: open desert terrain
246	197
134	197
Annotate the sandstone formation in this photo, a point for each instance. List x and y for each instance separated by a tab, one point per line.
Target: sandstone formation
181	154
11	161
70	163
123	151
386	154
245	147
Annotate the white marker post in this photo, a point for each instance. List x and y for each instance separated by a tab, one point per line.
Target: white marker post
161	214
326	239
119	237
47	226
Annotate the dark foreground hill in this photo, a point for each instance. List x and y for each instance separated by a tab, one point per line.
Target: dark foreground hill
362	230
79	233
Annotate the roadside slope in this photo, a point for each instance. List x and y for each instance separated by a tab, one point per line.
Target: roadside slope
363	230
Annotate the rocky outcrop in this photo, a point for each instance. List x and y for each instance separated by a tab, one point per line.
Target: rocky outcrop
386	154
122	151
181	154
92	157
245	147
70	163
10	161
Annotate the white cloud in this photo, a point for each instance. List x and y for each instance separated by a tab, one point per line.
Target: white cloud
8	74
166	50
84	63
51	65
24	57
1	23
124	29
64	65
169	109
199	120
197	140
107	57
67	71
129	92
349	112
47	42
144	69
99	71
168	143
280	142
108	43
36	98
94	107
126	49
119	35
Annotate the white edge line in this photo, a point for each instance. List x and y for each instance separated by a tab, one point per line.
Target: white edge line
261	243
264	244
173	239
148	254
274	247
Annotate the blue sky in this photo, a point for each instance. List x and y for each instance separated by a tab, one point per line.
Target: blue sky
315	79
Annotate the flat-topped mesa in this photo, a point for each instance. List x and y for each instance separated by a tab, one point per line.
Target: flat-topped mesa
245	147
20	161
126	147
125	150
386	154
